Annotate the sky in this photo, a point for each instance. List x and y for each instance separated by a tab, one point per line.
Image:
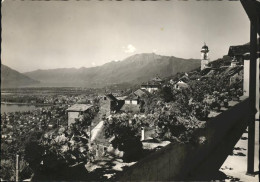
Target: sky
54	34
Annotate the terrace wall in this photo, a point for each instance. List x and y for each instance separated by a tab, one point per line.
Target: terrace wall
194	160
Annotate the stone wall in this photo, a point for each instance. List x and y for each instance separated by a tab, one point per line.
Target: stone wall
105	107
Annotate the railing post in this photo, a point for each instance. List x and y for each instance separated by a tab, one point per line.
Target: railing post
17	168
252	96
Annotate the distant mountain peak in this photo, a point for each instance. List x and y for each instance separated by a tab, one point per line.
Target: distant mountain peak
134	69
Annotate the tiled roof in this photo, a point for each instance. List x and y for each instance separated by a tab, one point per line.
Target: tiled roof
182	84
132	96
121	98
151	83
141	92
238	50
157	79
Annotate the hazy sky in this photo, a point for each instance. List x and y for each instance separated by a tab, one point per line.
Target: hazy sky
53	34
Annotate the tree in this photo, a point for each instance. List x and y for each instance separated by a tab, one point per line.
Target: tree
34	155
7	170
166	93
126	136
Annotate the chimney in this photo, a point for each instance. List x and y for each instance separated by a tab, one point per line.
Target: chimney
142	133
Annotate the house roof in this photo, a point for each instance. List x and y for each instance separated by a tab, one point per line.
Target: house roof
242	50
121	98
111	97
151	83
184	78
79	107
132	96
233	70
141	92
182	84
157	79
238	50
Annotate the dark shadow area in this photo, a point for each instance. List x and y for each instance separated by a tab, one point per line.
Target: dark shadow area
244	138
77	173
239	154
98	174
239	148
217	176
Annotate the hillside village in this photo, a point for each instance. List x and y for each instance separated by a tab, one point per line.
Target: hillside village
130	91
124	126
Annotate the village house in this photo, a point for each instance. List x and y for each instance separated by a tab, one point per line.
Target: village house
234	62
76	110
181	85
152	85
109	104
237	52
132	99
157	79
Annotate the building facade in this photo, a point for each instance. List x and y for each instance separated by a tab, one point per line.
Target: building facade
109	104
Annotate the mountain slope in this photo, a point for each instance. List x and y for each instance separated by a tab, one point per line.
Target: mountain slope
12	78
134	69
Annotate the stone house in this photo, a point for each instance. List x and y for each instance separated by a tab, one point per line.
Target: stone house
109	104
75	111
133	102
132	99
151	86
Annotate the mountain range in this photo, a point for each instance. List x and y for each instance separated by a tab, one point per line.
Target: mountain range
13	78
134	69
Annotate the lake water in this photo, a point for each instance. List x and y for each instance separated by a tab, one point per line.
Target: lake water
14	108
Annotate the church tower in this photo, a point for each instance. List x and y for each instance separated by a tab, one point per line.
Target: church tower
204	57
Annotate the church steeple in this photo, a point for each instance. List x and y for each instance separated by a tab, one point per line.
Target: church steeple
204	56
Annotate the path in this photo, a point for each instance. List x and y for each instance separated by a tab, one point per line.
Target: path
96	130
